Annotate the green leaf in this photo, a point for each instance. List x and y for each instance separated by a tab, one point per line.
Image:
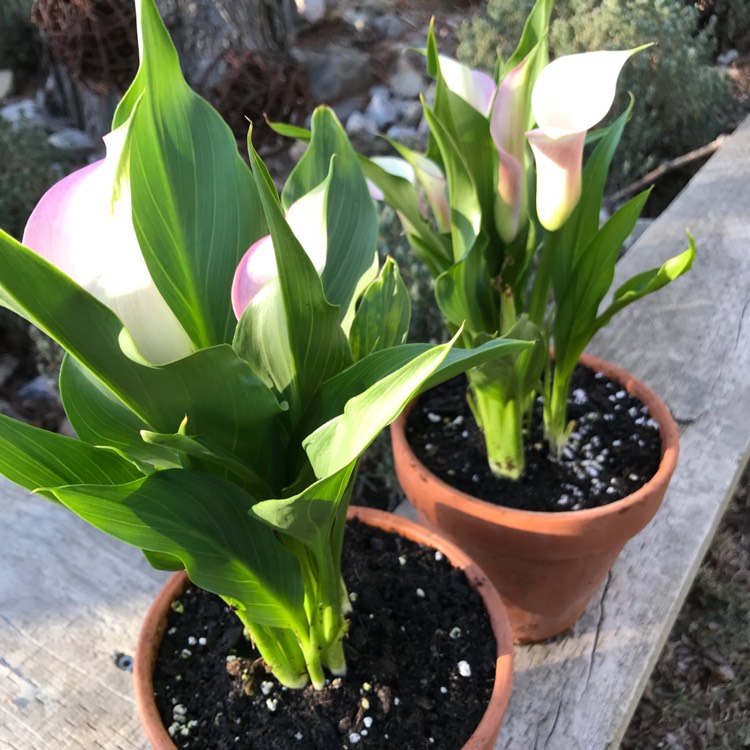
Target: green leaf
382	319
290	131
580	288
649	281
316	342
336	392
351	219
465	293
211	458
99	417
341	441
466	211
195	207
220	393
204	521
534	35
36	458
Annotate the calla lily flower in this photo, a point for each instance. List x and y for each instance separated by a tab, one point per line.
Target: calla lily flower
474	86
307	220
507	124
88	234
570	96
430	177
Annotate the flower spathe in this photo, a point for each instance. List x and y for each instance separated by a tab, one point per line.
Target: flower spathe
571	95
307	219
474	86
83	226
507	124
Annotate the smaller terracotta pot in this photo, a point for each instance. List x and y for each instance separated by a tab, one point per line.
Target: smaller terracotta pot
546	566
485	735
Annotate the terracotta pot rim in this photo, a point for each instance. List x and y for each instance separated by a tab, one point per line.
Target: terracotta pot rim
513	517
485	732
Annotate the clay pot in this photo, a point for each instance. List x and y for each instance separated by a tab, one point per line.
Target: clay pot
484	736
546	566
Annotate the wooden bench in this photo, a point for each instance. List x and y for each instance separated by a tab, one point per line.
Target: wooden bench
72	599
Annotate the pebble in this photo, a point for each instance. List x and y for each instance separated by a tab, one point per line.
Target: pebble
464	668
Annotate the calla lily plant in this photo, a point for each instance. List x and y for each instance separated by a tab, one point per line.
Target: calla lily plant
230	355
524	254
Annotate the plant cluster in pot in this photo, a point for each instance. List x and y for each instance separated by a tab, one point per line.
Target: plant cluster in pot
503	212
222	396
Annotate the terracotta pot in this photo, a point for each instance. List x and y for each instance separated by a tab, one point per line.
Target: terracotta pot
484	736
546	566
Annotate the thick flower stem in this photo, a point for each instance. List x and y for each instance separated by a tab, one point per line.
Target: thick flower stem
501	420
557	428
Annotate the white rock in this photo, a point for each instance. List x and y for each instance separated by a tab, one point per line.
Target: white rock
728	57
406	82
311	10
464	668
23	112
381	110
359	125
71	139
6	83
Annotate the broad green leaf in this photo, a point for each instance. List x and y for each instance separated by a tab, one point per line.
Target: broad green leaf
466	212
580	289
204	521
99	417
336	392
533	39
220	393
382	319
290	131
469	131
351	219
465	293
36	458
211	458
648	282
195	207
317	344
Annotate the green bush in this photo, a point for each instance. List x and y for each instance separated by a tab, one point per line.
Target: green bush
732	21
679	97
29	166
20	46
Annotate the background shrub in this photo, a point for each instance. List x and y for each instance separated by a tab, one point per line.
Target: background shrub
29	166
732	22
20	46
679	96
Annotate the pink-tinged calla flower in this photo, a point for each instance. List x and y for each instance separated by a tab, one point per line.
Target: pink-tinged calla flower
429	175
88	234
507	124
474	86
570	96
307	220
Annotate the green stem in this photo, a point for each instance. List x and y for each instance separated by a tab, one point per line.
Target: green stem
557	428
280	650
543	280
501	420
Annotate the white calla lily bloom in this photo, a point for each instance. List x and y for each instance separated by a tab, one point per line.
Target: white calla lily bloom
474	86
83	225
570	96
307	220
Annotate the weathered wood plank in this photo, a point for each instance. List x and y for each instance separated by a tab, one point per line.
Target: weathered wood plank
71	599
691	343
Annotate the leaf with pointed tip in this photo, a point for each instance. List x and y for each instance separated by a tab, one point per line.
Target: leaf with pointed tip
317	345
336	392
648	282
195	207
382	319
36	458
204	521
351	219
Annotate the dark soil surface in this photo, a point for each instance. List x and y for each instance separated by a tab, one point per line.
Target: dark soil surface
415	620
613	450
